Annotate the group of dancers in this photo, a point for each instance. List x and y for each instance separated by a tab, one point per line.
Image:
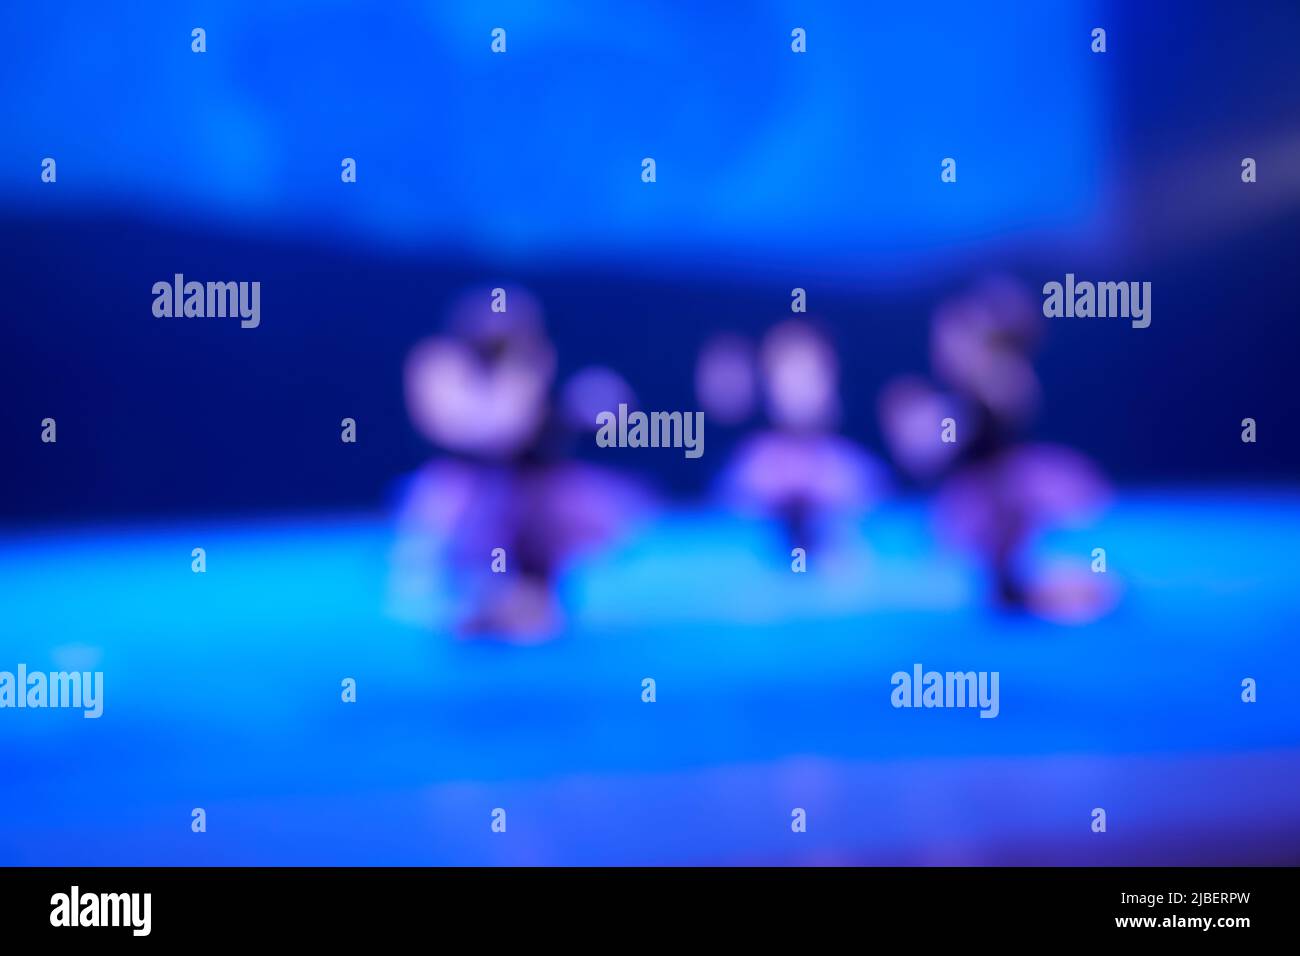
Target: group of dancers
507	503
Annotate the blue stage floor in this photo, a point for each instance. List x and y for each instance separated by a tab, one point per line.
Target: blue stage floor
222	691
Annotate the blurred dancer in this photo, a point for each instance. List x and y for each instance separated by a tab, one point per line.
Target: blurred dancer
999	493
482	393
799	470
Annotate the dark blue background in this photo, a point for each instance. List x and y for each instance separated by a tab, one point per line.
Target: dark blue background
774	171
